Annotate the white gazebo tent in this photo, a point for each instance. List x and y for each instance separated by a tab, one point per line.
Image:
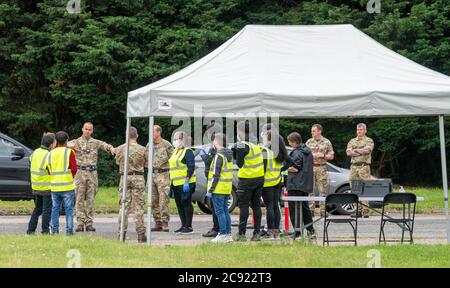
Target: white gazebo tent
298	71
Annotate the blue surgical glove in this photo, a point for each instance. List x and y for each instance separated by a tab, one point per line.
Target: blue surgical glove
202	152
186	188
208	195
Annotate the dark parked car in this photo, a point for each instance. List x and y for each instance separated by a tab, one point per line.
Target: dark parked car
14	170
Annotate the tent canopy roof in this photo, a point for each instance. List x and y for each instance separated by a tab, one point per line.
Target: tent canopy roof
298	71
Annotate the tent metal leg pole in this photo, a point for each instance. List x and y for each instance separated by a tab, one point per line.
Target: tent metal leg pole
150	179
444	173
125	182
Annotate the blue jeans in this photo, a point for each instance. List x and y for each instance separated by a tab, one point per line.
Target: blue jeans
220	203
67	198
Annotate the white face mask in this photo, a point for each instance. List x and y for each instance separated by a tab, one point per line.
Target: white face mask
176	143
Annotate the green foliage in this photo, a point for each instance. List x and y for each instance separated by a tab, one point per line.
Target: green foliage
58	70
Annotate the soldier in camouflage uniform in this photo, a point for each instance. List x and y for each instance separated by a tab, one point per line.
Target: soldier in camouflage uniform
360	150
135	197
86	180
162	150
322	152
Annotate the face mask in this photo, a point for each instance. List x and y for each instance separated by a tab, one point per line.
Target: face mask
176	143
239	138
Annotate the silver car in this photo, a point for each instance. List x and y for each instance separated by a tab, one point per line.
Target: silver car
337	183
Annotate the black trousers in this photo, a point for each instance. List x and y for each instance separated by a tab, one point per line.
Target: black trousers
184	205
307	218
214	216
43	206
250	198
271	197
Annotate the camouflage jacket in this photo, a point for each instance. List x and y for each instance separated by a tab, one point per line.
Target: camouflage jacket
365	145
161	154
323	146
138	158
87	153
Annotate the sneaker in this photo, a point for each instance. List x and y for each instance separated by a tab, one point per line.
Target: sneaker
186	231
297	236
228	238
276	234
219	239
256	237
178	231
240	238
210	233
311	235
269	236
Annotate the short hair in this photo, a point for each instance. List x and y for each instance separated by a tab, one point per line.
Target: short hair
157	128
88	123
318	127
361	125
62	137
133	133
47	139
220	137
244	126
213	128
295	137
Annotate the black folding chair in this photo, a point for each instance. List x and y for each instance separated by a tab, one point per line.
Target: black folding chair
406	222
340	199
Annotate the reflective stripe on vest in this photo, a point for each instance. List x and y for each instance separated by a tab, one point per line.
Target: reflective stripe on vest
178	170
60	174
272	177
40	179
225	184
253	163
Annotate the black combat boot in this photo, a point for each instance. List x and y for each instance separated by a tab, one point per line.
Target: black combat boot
90	228
142	238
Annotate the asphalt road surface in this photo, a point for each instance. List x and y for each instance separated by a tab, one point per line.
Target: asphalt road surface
429	229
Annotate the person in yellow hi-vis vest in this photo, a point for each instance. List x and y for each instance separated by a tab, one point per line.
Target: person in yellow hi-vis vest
275	155
220	185
182	180
40	185
63	167
249	159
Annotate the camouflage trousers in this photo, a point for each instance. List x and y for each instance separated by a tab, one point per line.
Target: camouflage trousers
360	173
86	189
160	198
320	183
134	202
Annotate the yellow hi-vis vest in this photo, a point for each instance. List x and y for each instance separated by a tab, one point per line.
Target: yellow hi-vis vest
253	163
40	179
272	177
225	184
60	174
178	170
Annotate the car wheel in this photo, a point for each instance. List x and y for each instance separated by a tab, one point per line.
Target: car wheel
345	209
206	207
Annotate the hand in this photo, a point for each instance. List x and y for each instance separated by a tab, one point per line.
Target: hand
112	150
292	170
74	146
208	195
186	188
171	193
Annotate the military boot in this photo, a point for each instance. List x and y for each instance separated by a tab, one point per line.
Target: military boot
90	228
80	228
142	238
